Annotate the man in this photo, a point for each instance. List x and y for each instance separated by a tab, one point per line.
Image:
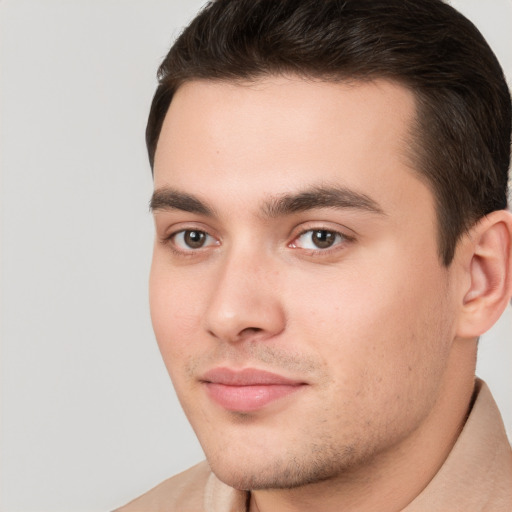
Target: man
331	241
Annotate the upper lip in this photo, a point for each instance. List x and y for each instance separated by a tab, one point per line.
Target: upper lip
246	377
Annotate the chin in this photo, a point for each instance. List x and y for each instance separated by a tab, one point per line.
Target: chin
281	473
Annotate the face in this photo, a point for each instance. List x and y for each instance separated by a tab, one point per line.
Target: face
296	290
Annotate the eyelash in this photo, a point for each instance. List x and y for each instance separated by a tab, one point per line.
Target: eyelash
339	245
191	252
187	253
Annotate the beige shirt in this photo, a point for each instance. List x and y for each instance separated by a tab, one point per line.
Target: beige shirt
476	476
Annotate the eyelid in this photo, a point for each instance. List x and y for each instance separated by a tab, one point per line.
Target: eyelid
310	228
173	237
171	232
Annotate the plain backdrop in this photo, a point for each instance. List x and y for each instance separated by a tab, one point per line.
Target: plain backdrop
88	416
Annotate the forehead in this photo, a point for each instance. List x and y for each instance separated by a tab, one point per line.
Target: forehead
279	133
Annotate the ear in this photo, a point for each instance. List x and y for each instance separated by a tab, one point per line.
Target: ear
487	250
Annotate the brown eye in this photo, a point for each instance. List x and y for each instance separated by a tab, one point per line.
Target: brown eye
192	239
318	239
323	239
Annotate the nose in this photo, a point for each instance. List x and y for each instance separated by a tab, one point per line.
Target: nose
245	302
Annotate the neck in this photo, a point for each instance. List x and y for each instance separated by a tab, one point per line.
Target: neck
391	480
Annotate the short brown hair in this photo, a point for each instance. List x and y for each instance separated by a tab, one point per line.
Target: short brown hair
461	143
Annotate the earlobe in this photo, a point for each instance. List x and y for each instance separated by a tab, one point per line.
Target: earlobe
490	274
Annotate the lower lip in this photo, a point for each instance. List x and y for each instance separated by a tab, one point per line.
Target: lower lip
248	398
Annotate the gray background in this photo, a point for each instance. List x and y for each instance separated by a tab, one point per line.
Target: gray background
88	416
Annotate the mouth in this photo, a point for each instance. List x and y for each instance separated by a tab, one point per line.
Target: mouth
247	390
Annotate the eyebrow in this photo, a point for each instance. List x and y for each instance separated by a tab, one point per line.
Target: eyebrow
320	197
335	197
169	199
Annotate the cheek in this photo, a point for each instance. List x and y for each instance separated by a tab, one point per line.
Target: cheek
175	312
376	328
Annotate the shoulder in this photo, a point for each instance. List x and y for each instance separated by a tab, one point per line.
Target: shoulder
183	492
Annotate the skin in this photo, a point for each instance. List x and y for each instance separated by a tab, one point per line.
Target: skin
369	326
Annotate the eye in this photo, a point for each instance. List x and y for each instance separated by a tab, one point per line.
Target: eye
318	239
192	239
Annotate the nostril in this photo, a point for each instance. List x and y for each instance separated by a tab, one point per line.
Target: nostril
250	330
243	334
